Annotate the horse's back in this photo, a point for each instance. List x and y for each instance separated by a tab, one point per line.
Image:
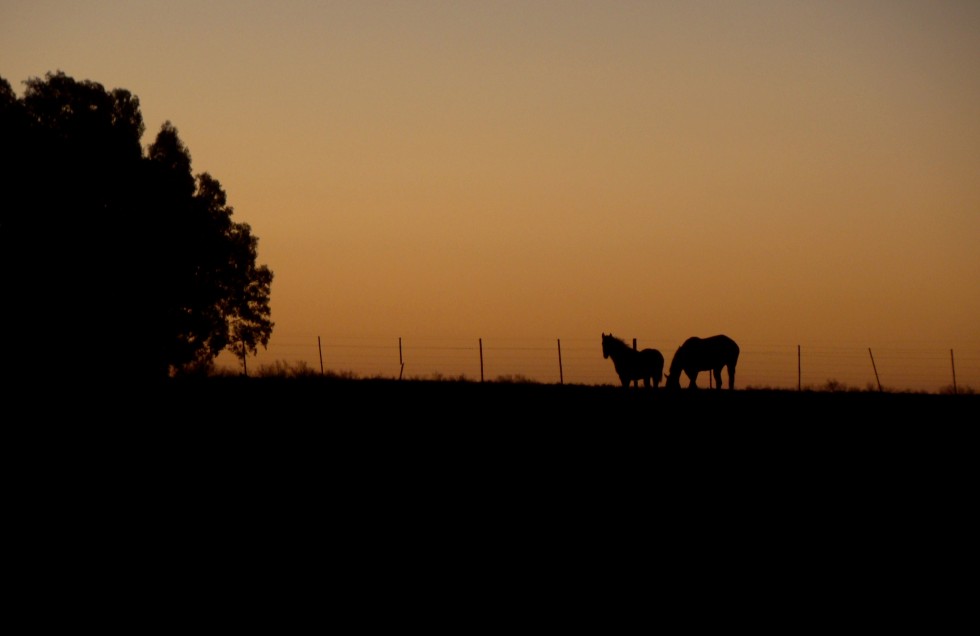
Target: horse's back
709	350
727	346
653	360
652	354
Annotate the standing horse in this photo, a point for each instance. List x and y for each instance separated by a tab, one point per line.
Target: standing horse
630	364
703	354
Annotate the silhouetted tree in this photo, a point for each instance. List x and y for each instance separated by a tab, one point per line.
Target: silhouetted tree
117	262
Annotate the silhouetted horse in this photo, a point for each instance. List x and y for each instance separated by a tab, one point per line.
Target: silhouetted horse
704	354
630	364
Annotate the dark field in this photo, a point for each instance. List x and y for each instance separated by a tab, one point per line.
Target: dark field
437	413
412	424
381	402
367	483
502	433
602	426
529	447
323	404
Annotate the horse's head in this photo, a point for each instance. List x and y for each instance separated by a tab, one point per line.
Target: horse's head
672	380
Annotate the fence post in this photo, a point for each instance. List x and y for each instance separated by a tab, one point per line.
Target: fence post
561	376
321	353
953	364
481	359
401	361
875	368
799	370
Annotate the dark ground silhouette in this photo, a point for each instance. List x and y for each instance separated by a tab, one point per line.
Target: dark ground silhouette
326	401
384	478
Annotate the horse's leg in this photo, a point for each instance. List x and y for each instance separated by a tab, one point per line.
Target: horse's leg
731	376
693	377
717	373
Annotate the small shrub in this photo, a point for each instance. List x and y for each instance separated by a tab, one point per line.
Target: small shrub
833	386
514	379
224	372
959	390
302	369
278	369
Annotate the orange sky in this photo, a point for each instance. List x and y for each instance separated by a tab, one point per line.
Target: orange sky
787	173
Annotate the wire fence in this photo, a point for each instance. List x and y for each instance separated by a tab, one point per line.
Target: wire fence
912	367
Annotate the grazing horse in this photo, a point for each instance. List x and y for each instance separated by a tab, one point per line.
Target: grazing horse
630	364
703	354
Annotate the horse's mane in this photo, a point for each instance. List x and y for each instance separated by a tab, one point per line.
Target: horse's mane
618	341
618	348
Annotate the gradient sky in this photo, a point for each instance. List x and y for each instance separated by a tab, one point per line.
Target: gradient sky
788	173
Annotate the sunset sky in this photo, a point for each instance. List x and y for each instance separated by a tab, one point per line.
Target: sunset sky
524	173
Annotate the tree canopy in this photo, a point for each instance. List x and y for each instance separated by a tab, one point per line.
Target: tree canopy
116	260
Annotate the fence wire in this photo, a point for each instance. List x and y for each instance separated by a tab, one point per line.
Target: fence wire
916	367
